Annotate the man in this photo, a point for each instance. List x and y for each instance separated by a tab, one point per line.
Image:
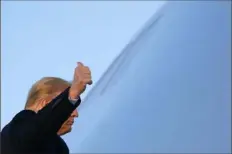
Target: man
49	112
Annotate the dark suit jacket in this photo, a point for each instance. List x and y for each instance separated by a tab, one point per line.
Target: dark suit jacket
36	133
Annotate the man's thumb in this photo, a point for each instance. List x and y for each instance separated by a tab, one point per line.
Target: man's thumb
79	64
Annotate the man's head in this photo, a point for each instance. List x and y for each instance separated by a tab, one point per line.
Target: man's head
43	91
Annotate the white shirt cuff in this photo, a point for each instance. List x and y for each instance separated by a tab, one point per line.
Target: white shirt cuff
73	101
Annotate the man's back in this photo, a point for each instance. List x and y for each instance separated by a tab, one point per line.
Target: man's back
52	144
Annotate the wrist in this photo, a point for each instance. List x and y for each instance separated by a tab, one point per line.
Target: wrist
74	94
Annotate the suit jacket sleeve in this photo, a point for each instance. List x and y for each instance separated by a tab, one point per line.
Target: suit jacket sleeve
45	123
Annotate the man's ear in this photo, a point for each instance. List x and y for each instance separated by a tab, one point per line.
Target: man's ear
43	102
40	104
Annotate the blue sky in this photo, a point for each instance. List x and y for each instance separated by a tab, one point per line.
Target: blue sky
48	38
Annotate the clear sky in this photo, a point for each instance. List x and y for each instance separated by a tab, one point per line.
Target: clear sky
47	39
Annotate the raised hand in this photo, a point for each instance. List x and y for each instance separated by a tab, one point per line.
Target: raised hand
82	77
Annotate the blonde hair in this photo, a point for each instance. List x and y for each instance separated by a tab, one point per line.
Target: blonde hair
45	87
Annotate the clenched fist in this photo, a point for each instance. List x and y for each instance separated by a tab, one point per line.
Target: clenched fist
82	77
